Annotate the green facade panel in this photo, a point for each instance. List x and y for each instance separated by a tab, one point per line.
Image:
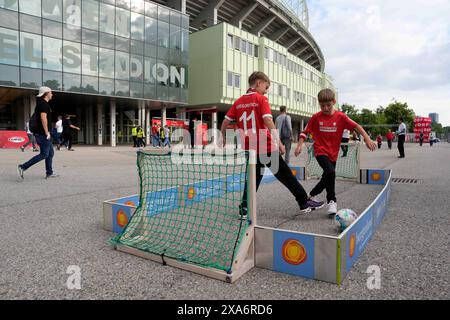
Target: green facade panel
222	58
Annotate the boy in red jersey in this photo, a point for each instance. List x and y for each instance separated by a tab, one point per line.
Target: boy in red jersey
327	127
258	132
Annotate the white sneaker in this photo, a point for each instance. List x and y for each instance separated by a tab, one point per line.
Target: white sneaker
332	208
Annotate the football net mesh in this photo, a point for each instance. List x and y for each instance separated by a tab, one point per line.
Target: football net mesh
347	165
189	208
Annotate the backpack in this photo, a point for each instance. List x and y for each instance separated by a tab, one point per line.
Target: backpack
33	124
285	133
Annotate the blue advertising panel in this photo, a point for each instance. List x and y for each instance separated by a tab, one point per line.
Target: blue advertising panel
129	201
299	172
200	191
162	201
380	207
236	182
358	237
293	254
121	215
376	177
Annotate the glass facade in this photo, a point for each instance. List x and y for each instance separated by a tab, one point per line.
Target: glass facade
126	48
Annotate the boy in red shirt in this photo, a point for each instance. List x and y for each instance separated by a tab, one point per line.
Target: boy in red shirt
258	132
327	127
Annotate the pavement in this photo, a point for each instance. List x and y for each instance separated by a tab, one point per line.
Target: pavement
49	225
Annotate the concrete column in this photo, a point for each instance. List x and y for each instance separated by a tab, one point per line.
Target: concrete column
81	135
100	124
32	105
112	111
302	124
148	125
163	116
214	126
21	107
140	119
25	109
143	116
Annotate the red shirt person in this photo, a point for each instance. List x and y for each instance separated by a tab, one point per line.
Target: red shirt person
327	130
327	127
249	111
389	137
258	132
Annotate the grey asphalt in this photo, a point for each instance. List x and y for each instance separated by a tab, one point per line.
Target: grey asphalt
48	225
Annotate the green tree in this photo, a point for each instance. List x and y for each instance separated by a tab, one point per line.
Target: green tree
351	112
396	110
437	127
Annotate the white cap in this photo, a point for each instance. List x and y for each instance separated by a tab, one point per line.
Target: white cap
43	90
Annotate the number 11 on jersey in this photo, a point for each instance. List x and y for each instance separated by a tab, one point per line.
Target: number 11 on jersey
245	119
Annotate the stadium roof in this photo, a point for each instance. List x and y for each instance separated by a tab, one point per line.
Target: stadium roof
283	21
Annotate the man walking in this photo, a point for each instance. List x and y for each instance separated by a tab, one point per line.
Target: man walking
42	134
284	126
67	133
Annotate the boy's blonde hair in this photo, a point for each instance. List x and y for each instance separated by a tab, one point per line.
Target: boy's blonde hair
326	95
257	75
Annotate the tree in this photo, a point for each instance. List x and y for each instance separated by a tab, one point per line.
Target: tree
437	127
396	110
351	112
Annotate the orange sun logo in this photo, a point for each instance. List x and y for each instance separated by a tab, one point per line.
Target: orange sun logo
294	252
122	219
376	176
130	203
352	245
191	193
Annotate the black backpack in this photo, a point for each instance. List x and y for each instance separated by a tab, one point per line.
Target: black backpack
33	125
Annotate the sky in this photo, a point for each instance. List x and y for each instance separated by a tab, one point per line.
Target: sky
380	50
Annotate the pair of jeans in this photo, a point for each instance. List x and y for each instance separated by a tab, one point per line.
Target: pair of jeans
401	145
67	140
46	152
288	144
284	175
166	142
155	140
328	180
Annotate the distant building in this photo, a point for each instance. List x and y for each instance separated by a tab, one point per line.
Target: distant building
434	117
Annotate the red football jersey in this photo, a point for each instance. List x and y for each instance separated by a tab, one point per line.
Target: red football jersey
327	132
249	112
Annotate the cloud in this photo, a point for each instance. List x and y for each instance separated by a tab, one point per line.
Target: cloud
380	49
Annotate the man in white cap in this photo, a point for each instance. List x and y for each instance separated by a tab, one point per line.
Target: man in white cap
42	134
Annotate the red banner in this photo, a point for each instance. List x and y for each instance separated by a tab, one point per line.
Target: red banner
422	124
200	130
12	139
171	123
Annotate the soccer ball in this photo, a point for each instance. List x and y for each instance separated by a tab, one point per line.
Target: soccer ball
344	218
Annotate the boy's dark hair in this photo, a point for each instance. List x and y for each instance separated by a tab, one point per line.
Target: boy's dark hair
283	109
257	75
326	95
401	119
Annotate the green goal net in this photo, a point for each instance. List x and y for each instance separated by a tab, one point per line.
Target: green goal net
347	165
189	207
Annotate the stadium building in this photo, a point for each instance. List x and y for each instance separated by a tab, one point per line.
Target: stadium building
115	63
